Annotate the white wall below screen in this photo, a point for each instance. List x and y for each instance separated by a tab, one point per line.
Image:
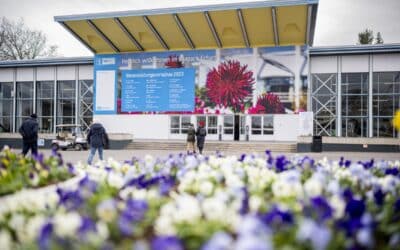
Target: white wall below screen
286	127
140	126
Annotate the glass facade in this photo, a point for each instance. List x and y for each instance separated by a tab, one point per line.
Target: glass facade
354	104
45	105
24	98
66	102
6	106
385	102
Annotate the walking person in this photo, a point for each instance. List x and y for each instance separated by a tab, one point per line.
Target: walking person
29	131
97	138
191	139
201	136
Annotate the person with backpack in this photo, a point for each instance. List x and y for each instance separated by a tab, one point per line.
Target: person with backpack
201	136
191	139
97	138
29	132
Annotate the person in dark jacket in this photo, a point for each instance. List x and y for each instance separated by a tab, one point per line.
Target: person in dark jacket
191	139
97	138
201	136
29	131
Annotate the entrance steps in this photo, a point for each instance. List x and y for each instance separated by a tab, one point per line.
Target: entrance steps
212	146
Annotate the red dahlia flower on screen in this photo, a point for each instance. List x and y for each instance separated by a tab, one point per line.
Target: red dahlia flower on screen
229	84
267	103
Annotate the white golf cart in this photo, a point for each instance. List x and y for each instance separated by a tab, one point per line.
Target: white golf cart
69	136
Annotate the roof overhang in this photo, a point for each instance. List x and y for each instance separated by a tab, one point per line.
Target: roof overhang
355	49
240	25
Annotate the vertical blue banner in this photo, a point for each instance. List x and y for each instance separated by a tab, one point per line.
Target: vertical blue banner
158	90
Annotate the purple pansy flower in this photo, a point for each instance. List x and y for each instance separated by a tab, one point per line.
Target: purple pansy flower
166	243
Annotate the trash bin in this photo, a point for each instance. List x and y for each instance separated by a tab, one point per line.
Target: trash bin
316	145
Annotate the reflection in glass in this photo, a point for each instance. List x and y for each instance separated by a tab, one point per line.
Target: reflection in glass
268	126
66	102
45	105
24	98
212	124
385	101
228	124
6	106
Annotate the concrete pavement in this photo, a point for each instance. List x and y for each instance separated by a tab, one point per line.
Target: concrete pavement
121	155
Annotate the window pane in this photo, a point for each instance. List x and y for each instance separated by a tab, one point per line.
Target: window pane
268	125
45	124
66	89
66	108
212	121
228	121
45	90
24	107
6	90
174	122
6	107
5	124
242	125
185	124
24	90
256	122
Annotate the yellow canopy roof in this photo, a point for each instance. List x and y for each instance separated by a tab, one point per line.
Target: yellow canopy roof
252	24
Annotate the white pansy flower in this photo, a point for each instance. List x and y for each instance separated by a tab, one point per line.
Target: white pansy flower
17	222
313	187
255	203
66	225
338	206
5	240
164	226
106	210
102	230
115	180
206	188
213	209
33	227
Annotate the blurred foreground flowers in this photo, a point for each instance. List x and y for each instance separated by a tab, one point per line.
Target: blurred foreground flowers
213	202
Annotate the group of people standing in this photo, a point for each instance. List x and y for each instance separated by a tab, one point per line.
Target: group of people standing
97	138
194	135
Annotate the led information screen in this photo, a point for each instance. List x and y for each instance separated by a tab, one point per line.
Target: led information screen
147	90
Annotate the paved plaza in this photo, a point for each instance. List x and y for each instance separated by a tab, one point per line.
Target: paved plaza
121	155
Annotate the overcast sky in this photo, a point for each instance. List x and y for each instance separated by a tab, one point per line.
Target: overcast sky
338	21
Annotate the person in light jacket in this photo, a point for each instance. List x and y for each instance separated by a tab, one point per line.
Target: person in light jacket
97	138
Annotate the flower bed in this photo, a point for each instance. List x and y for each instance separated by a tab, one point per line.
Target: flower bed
18	172
216	202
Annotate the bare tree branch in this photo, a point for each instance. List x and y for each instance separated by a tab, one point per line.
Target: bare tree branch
18	42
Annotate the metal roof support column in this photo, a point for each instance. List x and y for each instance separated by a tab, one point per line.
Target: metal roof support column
77	37
212	28
370	96
308	32
155	32
128	34
102	35
243	28
339	98
183	30
275	26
